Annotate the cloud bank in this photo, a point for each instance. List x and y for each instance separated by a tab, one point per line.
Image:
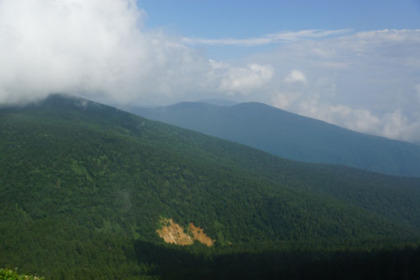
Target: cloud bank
101	49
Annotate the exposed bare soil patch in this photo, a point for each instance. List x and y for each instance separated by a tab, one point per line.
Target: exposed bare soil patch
173	233
200	236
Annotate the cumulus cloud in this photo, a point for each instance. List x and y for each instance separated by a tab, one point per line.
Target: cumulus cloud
295	76
65	45
241	79
102	50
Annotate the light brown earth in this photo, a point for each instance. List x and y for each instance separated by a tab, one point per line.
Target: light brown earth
173	233
200	236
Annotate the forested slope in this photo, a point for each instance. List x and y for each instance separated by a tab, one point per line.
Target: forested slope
83	187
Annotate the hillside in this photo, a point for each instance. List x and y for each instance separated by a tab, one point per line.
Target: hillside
292	136
84	188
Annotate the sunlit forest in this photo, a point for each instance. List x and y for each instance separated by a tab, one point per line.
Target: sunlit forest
84	186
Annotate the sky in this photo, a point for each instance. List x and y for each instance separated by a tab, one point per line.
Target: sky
354	63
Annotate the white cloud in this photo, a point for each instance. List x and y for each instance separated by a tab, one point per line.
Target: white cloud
290	90
361	120
397	125
64	45
243	79
101	49
285	99
295	76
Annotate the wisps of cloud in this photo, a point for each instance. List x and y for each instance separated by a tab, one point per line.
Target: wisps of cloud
275	38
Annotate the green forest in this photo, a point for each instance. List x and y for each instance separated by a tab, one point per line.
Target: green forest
83	187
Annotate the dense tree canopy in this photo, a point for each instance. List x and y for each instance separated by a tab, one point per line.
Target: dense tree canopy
83	187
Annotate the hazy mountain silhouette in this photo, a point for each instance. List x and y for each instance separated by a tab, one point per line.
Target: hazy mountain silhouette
292	136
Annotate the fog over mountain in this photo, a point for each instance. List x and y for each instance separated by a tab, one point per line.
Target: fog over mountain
113	51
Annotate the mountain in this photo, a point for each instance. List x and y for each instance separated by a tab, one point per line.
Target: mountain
292	136
88	191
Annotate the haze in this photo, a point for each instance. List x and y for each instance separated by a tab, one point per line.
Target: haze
355	65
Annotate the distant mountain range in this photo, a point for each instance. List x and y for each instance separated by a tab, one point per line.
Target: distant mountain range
292	136
88	191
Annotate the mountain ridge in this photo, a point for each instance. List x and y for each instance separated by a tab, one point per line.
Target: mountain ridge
292	136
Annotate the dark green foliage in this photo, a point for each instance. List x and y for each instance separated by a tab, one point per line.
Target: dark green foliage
8	274
298	263
292	136
83	185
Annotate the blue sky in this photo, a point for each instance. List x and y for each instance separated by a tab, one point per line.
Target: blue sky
355	64
249	19
241	19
